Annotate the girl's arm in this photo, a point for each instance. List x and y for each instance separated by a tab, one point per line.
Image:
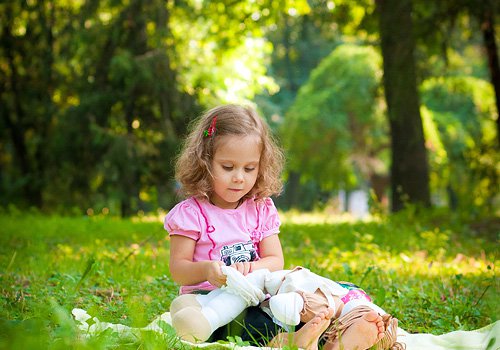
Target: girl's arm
185	271
271	257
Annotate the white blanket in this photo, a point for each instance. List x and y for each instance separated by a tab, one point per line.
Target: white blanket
487	338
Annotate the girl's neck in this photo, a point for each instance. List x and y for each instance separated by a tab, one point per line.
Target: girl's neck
236	206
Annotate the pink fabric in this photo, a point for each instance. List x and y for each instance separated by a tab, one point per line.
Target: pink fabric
215	229
355	294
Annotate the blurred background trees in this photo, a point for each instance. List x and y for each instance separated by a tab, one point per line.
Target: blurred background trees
96	96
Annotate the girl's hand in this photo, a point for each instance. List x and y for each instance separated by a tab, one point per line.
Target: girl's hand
215	275
244	267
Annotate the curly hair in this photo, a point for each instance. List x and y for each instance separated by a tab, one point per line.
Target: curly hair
193	168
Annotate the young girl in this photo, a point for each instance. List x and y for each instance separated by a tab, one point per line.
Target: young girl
228	168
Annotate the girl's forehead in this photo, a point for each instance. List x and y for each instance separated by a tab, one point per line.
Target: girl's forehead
238	146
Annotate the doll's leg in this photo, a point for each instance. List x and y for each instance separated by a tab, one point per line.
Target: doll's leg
183	301
196	319
217	308
194	300
190	325
306	337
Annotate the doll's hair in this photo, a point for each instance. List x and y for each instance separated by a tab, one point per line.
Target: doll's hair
193	168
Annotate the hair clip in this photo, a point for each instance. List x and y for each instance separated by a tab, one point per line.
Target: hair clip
211	130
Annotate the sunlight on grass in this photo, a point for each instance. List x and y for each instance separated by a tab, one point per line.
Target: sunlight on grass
432	272
156	217
296	217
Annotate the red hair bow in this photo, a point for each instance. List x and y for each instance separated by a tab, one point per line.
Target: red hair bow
211	130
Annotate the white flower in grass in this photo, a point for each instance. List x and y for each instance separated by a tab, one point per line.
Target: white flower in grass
81	316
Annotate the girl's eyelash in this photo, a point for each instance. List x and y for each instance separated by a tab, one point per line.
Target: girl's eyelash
225	167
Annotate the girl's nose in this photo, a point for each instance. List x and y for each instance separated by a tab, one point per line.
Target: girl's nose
238	176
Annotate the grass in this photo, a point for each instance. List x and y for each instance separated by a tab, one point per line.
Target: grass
434	271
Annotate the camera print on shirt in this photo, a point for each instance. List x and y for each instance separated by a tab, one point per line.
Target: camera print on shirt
238	252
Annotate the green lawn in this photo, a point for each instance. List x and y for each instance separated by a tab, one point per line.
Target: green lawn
435	272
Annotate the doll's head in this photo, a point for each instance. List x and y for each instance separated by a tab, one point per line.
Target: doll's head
194	164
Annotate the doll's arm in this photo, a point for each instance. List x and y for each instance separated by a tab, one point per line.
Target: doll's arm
286	307
273	281
291	291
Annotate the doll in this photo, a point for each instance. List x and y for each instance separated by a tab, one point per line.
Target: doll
289	296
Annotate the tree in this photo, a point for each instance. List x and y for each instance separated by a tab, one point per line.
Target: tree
300	42
27	110
441	23
98	94
459	125
334	132
486	18
409	168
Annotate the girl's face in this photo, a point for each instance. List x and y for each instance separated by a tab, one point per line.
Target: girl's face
235	167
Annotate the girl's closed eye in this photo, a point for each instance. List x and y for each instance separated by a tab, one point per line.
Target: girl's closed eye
249	169
227	167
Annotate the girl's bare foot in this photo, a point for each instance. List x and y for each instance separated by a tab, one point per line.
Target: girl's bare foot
362	334
307	337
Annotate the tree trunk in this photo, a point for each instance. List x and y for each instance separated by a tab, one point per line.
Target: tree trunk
14	117
292	197
409	168
488	30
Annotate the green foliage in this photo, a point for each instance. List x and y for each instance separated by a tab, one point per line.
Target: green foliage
459	123
334	125
98	94
448	33
299	43
222	51
449	40
436	272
